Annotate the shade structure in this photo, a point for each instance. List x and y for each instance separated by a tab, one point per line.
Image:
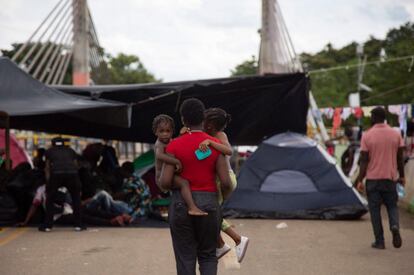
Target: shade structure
260	105
32	105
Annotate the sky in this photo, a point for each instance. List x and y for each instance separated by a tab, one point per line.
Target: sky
198	39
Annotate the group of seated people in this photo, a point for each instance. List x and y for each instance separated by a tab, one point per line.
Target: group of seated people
111	195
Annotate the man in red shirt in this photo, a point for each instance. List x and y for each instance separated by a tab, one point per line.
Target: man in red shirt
381	155
195	237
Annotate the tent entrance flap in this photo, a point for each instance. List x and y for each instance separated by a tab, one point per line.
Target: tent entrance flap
288	181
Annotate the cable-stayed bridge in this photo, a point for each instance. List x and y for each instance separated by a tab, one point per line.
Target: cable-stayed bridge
66	34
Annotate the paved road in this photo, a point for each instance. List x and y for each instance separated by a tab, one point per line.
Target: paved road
304	247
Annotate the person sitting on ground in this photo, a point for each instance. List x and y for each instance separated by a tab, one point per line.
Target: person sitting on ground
215	121
103	201
163	128
63	210
135	193
61	205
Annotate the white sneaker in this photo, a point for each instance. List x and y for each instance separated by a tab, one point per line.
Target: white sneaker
241	248
80	228
220	252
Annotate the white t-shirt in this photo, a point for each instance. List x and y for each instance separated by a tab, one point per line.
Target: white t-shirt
40	199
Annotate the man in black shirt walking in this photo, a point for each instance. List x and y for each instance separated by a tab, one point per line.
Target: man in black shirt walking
62	170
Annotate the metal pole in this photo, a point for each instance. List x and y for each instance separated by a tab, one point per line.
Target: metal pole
360	53
134	150
7	135
5	123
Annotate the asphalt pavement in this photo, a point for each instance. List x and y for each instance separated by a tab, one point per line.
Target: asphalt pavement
276	247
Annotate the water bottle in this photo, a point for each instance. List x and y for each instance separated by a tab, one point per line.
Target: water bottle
400	190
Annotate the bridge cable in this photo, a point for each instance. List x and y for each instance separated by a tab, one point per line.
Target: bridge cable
39	39
52	62
48	43
23	47
53	45
65	67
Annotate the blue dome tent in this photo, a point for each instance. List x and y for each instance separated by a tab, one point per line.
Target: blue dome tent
291	176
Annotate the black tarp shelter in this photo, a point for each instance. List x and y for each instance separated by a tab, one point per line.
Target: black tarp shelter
260	105
32	105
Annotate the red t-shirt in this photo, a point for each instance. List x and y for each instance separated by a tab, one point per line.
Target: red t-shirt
200	173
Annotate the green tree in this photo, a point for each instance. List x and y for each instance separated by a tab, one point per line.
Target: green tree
248	67
391	82
128	69
388	79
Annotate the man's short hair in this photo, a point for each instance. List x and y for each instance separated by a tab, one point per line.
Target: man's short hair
378	114
192	111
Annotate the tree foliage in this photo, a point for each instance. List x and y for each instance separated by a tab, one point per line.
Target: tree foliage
248	67
391	82
122	69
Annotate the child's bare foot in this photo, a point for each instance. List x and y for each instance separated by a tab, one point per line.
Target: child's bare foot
196	212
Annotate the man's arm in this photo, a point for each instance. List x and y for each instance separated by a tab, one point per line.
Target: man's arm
167	174
164	157
223	174
363	166
400	164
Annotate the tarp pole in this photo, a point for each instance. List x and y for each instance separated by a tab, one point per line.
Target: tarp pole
7	137
5	123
